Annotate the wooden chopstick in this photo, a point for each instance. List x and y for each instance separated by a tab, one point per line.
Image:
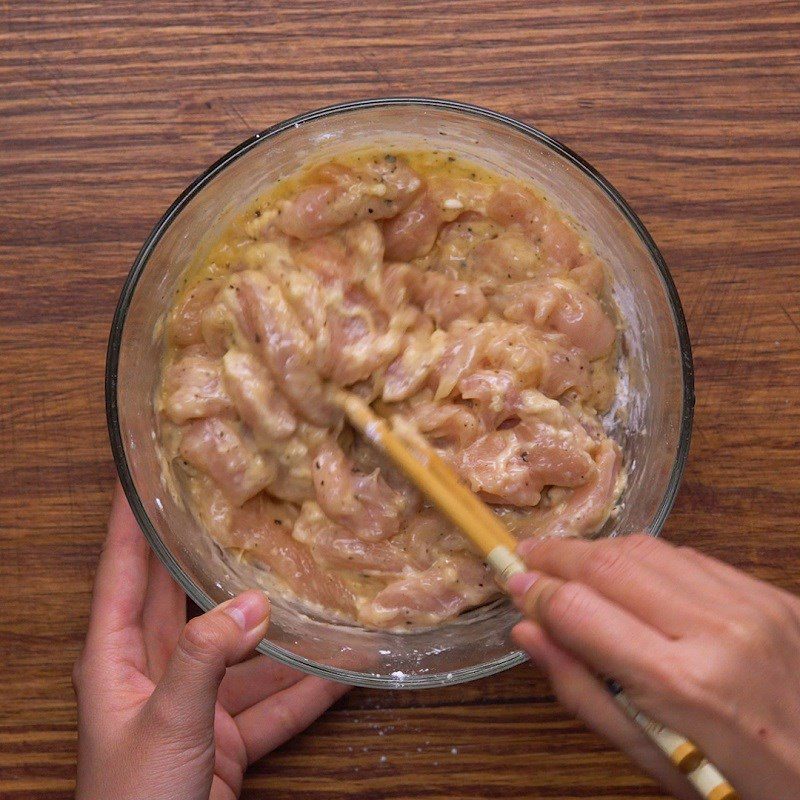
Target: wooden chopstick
439	483
432	476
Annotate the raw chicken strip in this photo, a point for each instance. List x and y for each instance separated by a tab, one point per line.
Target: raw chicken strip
364	504
216	447
412	233
343	196
259	404
448	587
184	321
513	465
262	529
193	387
269	323
562	306
336	547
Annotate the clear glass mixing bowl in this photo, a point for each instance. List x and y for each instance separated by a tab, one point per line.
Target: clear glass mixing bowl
653	422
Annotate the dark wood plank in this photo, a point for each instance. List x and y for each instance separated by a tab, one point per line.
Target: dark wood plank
109	109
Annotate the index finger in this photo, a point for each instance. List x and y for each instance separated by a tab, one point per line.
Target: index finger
648	577
121	580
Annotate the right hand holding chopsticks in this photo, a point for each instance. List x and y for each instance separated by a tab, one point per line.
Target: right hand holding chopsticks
696	644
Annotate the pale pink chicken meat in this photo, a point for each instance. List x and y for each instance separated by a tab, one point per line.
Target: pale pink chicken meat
257	400
359	337
185	320
274	330
442	591
363	503
511	256
193	387
562	306
513	465
336	547
585	509
263	529
514	205
348	255
218	448
406	374
446	299
443	424
465	307
412	233
495	395
455	196
343	195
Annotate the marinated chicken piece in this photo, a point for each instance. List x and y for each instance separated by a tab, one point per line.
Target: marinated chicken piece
446	299
464	352
428	537
590	275
217	448
514	205
349	255
512	257
513	465
448	587
363	503
263	529
412	233
360	338
585	509
454	196
294	481
342	195
421	349
336	547
258	402
562	306
218	328
212	509
565	369
444	424
184	320
272	327
193	387
459	248
465	307
495	394
307	295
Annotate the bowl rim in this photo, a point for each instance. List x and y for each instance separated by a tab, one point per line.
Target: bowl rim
203	600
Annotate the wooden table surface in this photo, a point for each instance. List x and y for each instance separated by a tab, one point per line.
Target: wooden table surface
107	110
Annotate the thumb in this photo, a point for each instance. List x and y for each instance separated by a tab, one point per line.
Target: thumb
185	697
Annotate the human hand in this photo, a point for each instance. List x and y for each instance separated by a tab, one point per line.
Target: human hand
163	713
697	645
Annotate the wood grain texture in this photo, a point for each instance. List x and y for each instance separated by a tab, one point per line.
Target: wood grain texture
107	110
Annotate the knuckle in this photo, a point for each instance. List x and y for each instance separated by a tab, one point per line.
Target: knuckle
607	563
701	680
568	606
639	545
745	632
204	638
286	717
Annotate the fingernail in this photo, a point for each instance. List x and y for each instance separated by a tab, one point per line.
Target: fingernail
520	583
248	610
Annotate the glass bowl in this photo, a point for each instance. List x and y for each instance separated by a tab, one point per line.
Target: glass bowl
652	420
